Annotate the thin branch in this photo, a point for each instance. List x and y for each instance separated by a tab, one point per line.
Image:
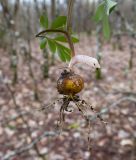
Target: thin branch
13	118
67	35
126	93
113	105
29	146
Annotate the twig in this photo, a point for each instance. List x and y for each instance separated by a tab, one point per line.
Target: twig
113	105
13	118
66	32
67	35
127	93
29	146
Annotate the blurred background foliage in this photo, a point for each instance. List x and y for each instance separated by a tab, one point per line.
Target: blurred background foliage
23	15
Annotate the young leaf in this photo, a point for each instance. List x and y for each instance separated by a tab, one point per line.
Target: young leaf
64	52
44	21
63	39
43	43
61	54
52	45
102	14
59	22
110	5
67	55
74	39
106	27
60	39
63	47
99	12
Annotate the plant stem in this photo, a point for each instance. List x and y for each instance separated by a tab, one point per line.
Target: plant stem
69	25
67	35
66	32
69	15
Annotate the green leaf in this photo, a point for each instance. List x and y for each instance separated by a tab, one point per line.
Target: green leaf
43	43
67	55
99	12
102	14
74	39
64	47
63	52
110	5
63	39
106	27
44	21
59	22
52	45
60	39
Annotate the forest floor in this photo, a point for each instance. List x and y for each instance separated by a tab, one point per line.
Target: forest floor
29	134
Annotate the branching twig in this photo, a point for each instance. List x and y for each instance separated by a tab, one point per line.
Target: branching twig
66	32
67	35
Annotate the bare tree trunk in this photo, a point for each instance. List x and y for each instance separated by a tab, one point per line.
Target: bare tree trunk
16	7
44	7
14	49
46	63
37	13
6	12
29	56
98	50
57	7
131	48
11	25
53	10
45	67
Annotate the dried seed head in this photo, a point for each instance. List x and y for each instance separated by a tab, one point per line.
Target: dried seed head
70	83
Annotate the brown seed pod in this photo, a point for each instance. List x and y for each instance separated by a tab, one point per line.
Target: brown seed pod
70	83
